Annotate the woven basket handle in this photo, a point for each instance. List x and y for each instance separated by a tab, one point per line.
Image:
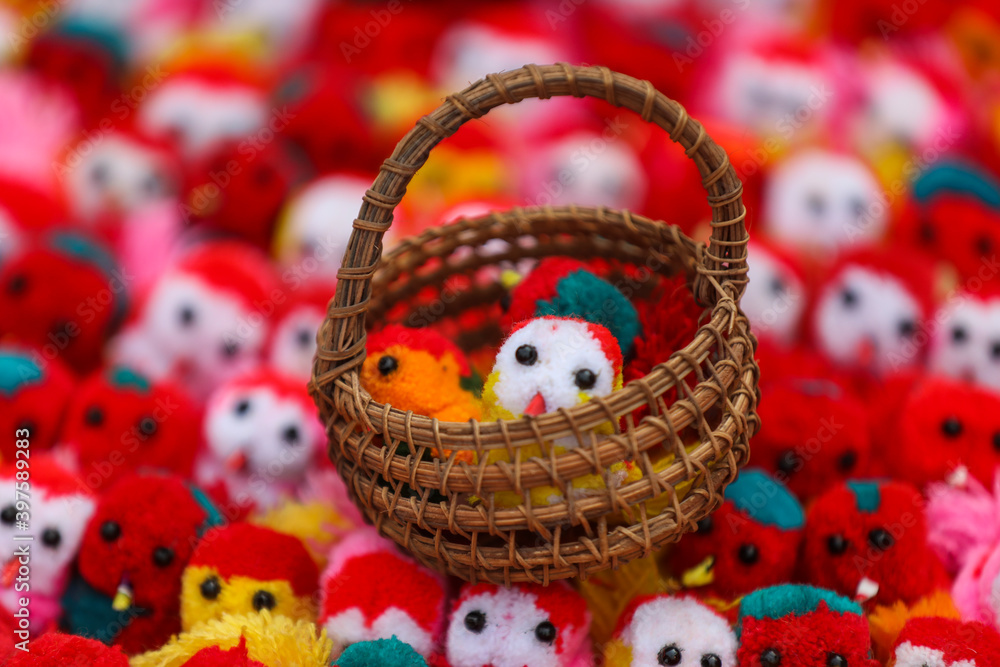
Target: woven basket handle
723	262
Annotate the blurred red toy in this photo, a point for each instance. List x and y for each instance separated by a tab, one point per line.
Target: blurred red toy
34	394
868	540
292	346
55	649
134	550
26	213
64	297
814	434
946	642
966	343
745	544
119	422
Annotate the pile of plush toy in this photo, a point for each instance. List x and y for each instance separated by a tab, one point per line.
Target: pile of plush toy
178	180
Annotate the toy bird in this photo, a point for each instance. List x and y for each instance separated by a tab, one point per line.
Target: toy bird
750	542
133	552
802	626
667	630
242	569
524	625
868	540
564	287
550	363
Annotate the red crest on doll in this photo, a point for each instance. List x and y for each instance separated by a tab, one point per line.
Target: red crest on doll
64	298
946	642
870	311
142	535
947	424
119	422
869	540
522	625
359	602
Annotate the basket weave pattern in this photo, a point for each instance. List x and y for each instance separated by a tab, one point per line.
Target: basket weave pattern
422	503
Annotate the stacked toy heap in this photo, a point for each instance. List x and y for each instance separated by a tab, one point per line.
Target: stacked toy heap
178	180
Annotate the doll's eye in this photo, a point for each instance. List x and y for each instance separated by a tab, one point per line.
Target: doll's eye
857	207
8	515
147	426
230	349
291	435
210	588
163	556
880	539
505	302
545	632
110	531
996	441
706	525
264	175
951	427
778	287
669	655
984	245
51	538
836	545
26	425
995	350
711	660
242	408
748	554
475	621
151	185
847	461
788	462
186	316
907	328
959	335
585	378
849	298
94	416
770	657
835	660
17	284
526	355
304	338
100	174
387	364
816	204
264	600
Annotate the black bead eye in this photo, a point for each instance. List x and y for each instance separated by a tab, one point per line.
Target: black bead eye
907	328
17	284
849	298
291	436
230	349
545	632
505	301
857	207
51	538
984	245
959	334
387	364
770	657
94	416
748	554
475	621
99	173
778	287
836	544
147	426
585	379
8	515
788	462
263	600
995	351
210	588
706	525
526	355
880	539
186	316
242	408
847	461
669	655
711	660
996	442
163	556
303	338
951	427
110	531
816	204
835	660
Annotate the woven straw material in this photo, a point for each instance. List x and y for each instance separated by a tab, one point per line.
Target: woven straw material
706	393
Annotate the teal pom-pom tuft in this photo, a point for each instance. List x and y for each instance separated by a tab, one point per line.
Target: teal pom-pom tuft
766	500
583	295
380	653
792	600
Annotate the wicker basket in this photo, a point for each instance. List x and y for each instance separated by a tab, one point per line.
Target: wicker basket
708	388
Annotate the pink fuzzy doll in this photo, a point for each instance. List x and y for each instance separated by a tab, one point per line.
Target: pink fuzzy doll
964	531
